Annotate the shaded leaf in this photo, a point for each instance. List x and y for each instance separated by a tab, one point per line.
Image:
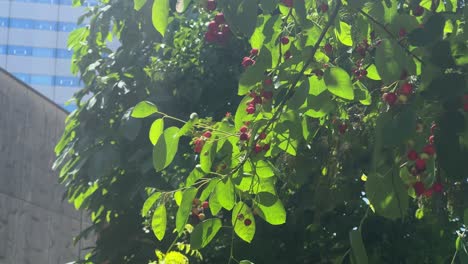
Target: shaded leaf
204	232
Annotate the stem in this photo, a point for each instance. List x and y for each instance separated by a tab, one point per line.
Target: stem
390	34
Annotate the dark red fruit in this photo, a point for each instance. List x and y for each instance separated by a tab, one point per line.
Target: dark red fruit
288	3
213	27
247	61
211	5
406	89
318	72
418	11
268	81
402	32
420	164
324	7
205	205
438	187
419	188
287	55
207	134
328	48
431	139
342	128
219	18
429	149
247	222
257	100
267	95
266	147
412	155
258	148
244	136
284	40
465	107
390	98
210	37
428	193
243	129
262	135
254	52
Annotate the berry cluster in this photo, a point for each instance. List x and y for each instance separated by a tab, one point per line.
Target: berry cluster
211	5
258	99
200	141
247	221
359	71
418	11
218	30
400	96
249	61
362	48
198	209
420	189
324	7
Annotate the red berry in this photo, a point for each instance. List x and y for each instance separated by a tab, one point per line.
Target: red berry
433	128
266	147
199	143
201	216
390	98
465	107
419	188
258	148
406	89
342	128
363	72
207	134
244	136
287	55
412	155
402	32
429	149
288	3
211	5
420	164
324	7
438	187
205	205
267	95
257	100
247	222
268	81
262	135
226	30
210	37
219	18
318	72
254	52
418	11
247	61
465	98
328	48
284	40
221	38
428	193
228	114
213	27
243	129
431	139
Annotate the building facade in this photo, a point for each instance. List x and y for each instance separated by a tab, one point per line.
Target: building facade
33	44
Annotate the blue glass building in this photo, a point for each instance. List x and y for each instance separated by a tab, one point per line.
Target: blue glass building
33	44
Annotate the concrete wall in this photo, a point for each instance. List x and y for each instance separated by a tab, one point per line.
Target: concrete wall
35	225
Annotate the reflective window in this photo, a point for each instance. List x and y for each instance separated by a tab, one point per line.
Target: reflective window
42	80
66	26
67	81
22	76
3	49
45	25
36	52
37	24
19	51
3	22
43	52
64	54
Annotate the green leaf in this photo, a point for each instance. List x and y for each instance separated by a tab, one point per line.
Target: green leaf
245	262
195	175
240	214
208	189
138	4
144	109
343	33
362	94
387	193
390	61
262	168
245	19
207	155
159	222
149	203
266	198
465	217
178	197
317	86
165	149
160	15
299	96
204	232
372	73
156	130
357	247
185	208
432	31
255	74
225	193
274	214
268	5
339	83
215	206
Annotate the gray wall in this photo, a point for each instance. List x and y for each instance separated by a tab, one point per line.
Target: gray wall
35	225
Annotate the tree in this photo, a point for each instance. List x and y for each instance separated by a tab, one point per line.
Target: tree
348	143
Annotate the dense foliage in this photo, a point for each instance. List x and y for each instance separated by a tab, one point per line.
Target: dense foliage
312	131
